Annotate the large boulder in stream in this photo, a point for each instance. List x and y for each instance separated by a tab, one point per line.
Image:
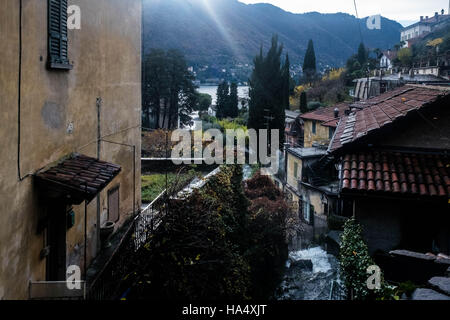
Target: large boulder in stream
303	265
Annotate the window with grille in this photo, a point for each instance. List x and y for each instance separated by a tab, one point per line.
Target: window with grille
57	35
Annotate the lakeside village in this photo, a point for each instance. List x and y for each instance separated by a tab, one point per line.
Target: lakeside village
363	179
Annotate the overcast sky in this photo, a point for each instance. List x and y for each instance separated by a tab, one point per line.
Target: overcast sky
403	11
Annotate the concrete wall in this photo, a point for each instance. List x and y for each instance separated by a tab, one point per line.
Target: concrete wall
106	63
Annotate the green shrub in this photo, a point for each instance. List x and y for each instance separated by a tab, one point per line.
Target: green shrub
153	185
313	105
354	261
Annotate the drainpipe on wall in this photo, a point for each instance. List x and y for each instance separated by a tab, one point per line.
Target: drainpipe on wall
286	146
354	209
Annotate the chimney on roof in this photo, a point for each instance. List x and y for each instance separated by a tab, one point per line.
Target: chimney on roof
442	11
426	18
421	18
336	112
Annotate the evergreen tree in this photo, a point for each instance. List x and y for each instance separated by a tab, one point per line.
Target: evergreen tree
222	100
286	82
309	64
182	92
362	54
154	87
168	90
266	91
233	101
256	94
303	103
204	102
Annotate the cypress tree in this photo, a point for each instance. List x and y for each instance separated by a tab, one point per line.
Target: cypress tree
233	101
362	54
286	82
222	100
266	91
303	103
256	94
309	63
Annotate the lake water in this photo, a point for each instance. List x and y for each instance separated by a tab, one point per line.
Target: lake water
212	91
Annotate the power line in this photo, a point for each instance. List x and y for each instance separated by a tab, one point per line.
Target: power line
359	24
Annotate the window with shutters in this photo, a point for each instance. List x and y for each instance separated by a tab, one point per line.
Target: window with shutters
57	35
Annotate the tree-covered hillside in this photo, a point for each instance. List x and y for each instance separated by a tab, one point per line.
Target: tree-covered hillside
228	32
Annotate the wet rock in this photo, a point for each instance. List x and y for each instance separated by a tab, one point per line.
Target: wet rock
428	294
414	255
442	261
440	284
302	265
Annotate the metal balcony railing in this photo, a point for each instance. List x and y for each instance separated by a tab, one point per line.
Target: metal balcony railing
57	290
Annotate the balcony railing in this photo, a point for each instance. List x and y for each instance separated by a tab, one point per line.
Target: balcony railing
56	290
107	283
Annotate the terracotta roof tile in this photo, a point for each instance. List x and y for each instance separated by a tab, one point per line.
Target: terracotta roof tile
430	176
384	109
326	115
80	175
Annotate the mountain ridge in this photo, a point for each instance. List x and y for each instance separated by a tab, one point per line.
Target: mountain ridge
226	32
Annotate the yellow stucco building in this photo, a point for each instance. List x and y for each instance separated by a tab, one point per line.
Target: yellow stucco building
319	125
65	93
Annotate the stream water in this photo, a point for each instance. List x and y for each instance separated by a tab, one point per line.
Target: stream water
309	275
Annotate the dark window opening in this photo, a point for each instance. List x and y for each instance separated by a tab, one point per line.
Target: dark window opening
314	127
113	205
57	35
330	133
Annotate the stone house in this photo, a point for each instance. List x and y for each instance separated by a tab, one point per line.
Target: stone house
319	125
70	130
293	129
387	60
394	166
314	199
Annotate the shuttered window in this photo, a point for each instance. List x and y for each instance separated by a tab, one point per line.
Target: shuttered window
57	35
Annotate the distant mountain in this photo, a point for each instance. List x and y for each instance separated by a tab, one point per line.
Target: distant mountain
225	32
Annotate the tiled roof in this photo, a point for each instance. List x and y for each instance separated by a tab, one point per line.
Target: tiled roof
80	176
292	114
326	115
431	20
385	109
398	173
332	123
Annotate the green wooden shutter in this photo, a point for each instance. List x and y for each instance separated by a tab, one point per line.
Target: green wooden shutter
57	35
